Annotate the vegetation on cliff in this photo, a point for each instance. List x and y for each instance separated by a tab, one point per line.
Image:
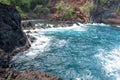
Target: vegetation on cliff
24	6
87	7
46	9
65	10
79	10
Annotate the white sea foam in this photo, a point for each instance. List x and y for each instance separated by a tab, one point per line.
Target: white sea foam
61	43
85	76
97	24
42	24
118	26
40	44
102	24
79	27
110	62
75	27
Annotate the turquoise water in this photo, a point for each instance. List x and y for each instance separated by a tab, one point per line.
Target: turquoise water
80	52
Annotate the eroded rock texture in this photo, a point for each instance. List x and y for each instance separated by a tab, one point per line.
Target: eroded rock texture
11	34
107	12
12	38
6	74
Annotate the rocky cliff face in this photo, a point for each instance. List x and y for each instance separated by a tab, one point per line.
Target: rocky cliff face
106	12
13	40
12	37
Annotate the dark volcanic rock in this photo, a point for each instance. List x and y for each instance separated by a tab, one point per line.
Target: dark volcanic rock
12	38
11	34
106	13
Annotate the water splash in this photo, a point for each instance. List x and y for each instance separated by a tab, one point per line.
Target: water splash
110	62
78	52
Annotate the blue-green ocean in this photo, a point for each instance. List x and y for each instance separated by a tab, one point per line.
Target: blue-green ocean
78	52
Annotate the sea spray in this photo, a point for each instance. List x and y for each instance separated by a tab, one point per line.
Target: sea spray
78	52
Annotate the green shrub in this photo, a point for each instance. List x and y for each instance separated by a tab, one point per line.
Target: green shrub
34	15
36	2
25	6
86	8
65	10
16	2
40	10
23	15
118	10
102	2
5	2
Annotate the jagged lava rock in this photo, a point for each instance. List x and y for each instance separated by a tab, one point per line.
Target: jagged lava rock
12	38
11	34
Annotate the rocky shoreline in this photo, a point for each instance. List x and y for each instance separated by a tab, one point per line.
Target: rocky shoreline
13	41
111	21
7	74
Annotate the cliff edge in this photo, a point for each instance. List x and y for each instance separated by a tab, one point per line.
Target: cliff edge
12	41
